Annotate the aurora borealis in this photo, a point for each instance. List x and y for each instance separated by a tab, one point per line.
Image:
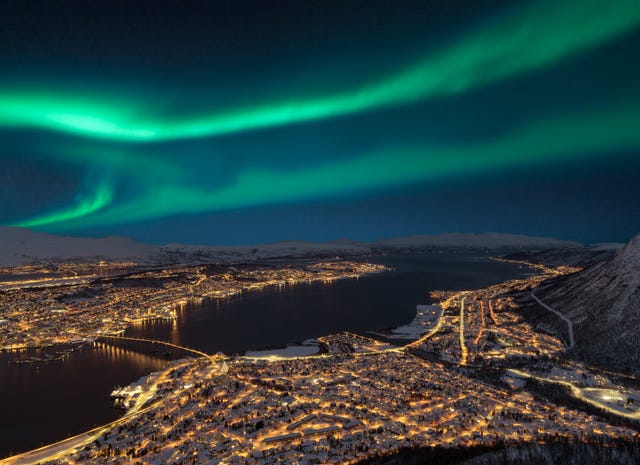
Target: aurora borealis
383	119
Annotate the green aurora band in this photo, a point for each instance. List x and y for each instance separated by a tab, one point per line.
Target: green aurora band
133	185
86	204
524	39
164	193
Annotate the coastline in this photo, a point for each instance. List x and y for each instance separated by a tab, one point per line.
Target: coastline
306	355
167	310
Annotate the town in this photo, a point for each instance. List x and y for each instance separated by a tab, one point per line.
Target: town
477	374
78	303
337	408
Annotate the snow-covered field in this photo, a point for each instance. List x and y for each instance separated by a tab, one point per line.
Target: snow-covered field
582	378
615	399
426	318
292	351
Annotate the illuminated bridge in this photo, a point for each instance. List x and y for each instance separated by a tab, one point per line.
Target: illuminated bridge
152	345
62	449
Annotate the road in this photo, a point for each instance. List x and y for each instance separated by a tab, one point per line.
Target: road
564	318
476	341
492	315
464	352
578	393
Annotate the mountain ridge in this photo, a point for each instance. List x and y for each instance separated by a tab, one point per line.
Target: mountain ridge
603	302
20	246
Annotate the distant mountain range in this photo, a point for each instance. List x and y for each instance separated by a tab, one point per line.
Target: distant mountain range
22	246
489	240
603	302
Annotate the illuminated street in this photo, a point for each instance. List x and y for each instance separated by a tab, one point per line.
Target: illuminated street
361	397
59	311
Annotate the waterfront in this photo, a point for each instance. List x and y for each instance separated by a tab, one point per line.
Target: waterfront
279	315
45	402
57	399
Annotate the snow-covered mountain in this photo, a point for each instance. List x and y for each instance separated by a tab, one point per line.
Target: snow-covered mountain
22	246
603	302
19	246
489	240
572	256
288	249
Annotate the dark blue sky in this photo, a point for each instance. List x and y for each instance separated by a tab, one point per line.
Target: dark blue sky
245	122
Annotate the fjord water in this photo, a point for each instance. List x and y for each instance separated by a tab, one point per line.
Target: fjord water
50	401
282	314
47	402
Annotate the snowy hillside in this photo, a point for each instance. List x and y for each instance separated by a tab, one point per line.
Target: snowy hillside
20	246
603	302
484	241
571	256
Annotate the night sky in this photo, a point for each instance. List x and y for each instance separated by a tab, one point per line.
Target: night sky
230	122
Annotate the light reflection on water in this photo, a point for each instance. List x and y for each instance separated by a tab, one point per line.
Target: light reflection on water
45	402
281	314
50	401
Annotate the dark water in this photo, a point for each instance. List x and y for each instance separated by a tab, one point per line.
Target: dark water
46	402
43	403
278	315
